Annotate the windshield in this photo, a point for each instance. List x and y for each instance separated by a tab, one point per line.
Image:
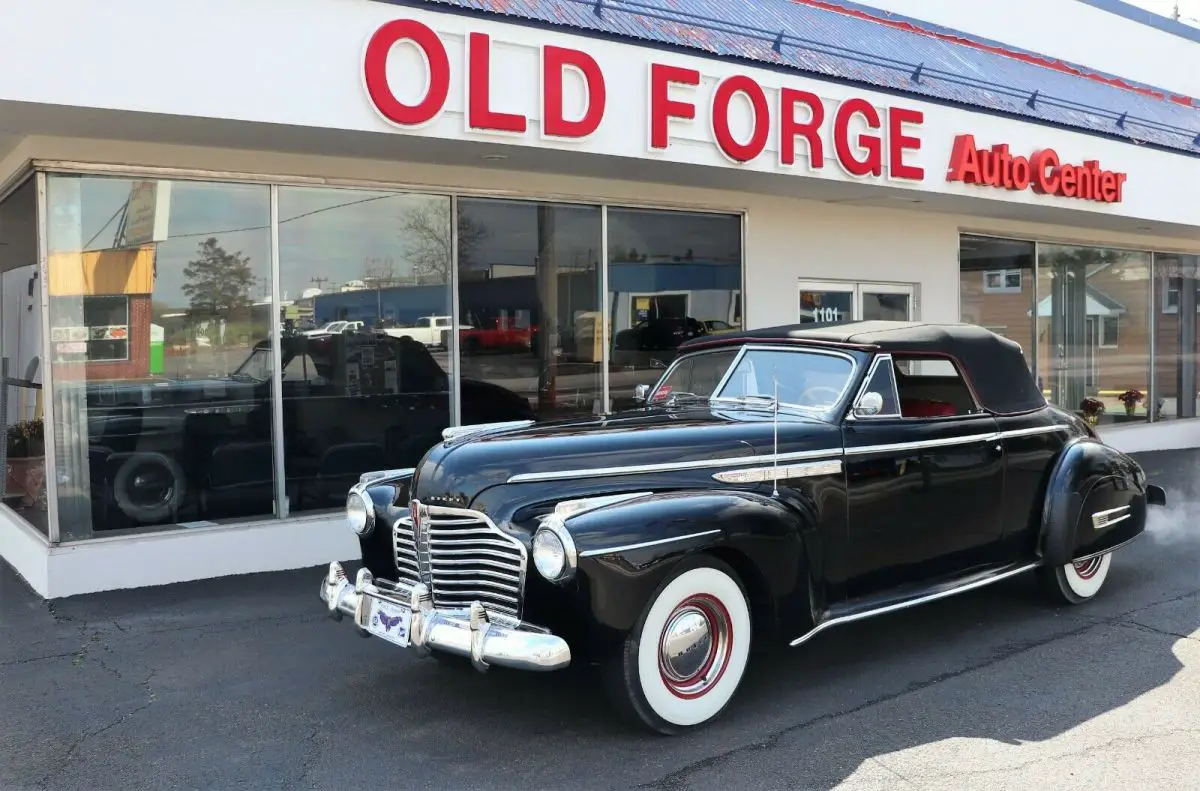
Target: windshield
696	375
801	378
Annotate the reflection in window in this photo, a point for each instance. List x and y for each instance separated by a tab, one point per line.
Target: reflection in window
529	310
696	375
1176	347
816	381
23	476
670	274
364	366
159	291
1093	331
996	286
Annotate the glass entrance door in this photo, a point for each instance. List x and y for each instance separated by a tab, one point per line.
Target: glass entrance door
885	302
824	302
833	302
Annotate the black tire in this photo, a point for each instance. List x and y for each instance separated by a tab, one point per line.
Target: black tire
637	679
1074	583
160	509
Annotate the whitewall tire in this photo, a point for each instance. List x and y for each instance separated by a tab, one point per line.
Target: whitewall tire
1077	582
686	656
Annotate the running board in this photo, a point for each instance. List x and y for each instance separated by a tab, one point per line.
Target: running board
952	589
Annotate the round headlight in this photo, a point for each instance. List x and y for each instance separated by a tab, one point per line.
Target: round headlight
554	551
359	513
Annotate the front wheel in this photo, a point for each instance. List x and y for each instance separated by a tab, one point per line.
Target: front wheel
685	657
1075	583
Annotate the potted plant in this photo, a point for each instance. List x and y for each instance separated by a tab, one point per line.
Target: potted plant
1131	398
25	471
1092	408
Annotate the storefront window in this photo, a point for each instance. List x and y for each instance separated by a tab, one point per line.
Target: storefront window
23	481
529	310
365	283
160	302
1176	327
1093	331
997	288
672	276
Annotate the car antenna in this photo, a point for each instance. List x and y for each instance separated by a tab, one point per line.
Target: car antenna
775	428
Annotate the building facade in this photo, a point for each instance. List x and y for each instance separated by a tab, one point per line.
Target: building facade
231	285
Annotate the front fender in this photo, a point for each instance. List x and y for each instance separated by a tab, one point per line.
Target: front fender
626	550
1095	501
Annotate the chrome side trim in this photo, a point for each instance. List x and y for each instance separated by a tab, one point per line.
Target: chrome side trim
805	455
923	444
814	469
670	466
642	545
914	603
566	509
1102	519
1029	432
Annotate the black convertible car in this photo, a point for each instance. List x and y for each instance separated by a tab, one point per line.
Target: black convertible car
772	485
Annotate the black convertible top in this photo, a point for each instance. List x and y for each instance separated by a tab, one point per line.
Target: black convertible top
995	366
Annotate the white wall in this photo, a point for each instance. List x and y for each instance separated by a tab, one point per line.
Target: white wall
304	69
1073	31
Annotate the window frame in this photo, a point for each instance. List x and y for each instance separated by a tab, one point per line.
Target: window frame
1005	289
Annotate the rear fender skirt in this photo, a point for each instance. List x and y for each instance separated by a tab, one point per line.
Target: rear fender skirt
626	550
1095	502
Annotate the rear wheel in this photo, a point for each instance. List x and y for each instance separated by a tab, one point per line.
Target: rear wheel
1075	583
684	659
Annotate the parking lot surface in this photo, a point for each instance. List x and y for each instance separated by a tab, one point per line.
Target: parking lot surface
245	683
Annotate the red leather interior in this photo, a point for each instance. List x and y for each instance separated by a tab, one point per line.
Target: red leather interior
920	407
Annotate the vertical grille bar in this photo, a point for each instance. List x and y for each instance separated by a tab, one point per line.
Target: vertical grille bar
463	557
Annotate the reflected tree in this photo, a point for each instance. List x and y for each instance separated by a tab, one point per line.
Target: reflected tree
218	283
426	232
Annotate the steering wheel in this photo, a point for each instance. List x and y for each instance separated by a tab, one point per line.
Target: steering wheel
807	401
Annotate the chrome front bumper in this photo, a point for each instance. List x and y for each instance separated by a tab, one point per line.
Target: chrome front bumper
486	639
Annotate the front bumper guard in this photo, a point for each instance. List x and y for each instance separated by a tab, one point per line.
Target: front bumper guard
486	639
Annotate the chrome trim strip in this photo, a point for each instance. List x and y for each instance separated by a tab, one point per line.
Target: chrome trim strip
630	547
806	455
1107	518
1110	550
913	603
670	466
1029	432
759	474
923	444
283	505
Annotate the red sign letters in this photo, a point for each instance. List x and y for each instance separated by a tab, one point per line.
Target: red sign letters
1044	172
865	141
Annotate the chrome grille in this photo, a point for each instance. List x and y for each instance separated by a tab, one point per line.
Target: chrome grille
462	557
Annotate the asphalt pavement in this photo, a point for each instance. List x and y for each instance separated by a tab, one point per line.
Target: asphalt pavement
245	683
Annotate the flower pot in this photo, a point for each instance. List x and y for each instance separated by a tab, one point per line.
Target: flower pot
26	477
1129	408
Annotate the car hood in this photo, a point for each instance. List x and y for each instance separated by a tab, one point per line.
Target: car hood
455	473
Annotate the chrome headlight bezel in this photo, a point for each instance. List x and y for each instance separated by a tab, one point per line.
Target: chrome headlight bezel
554	531
360	513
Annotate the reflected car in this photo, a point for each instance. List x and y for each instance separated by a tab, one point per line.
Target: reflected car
165	450
791	480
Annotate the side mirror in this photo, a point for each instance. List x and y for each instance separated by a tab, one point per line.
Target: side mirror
640	393
869	405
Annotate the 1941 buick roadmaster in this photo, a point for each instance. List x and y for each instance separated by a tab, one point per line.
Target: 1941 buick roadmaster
771	485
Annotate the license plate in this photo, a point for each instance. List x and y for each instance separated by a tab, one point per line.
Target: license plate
389	621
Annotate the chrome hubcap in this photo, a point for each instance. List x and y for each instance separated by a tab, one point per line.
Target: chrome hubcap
686	644
695	646
1088	568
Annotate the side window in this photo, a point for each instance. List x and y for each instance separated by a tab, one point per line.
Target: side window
931	387
881	380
